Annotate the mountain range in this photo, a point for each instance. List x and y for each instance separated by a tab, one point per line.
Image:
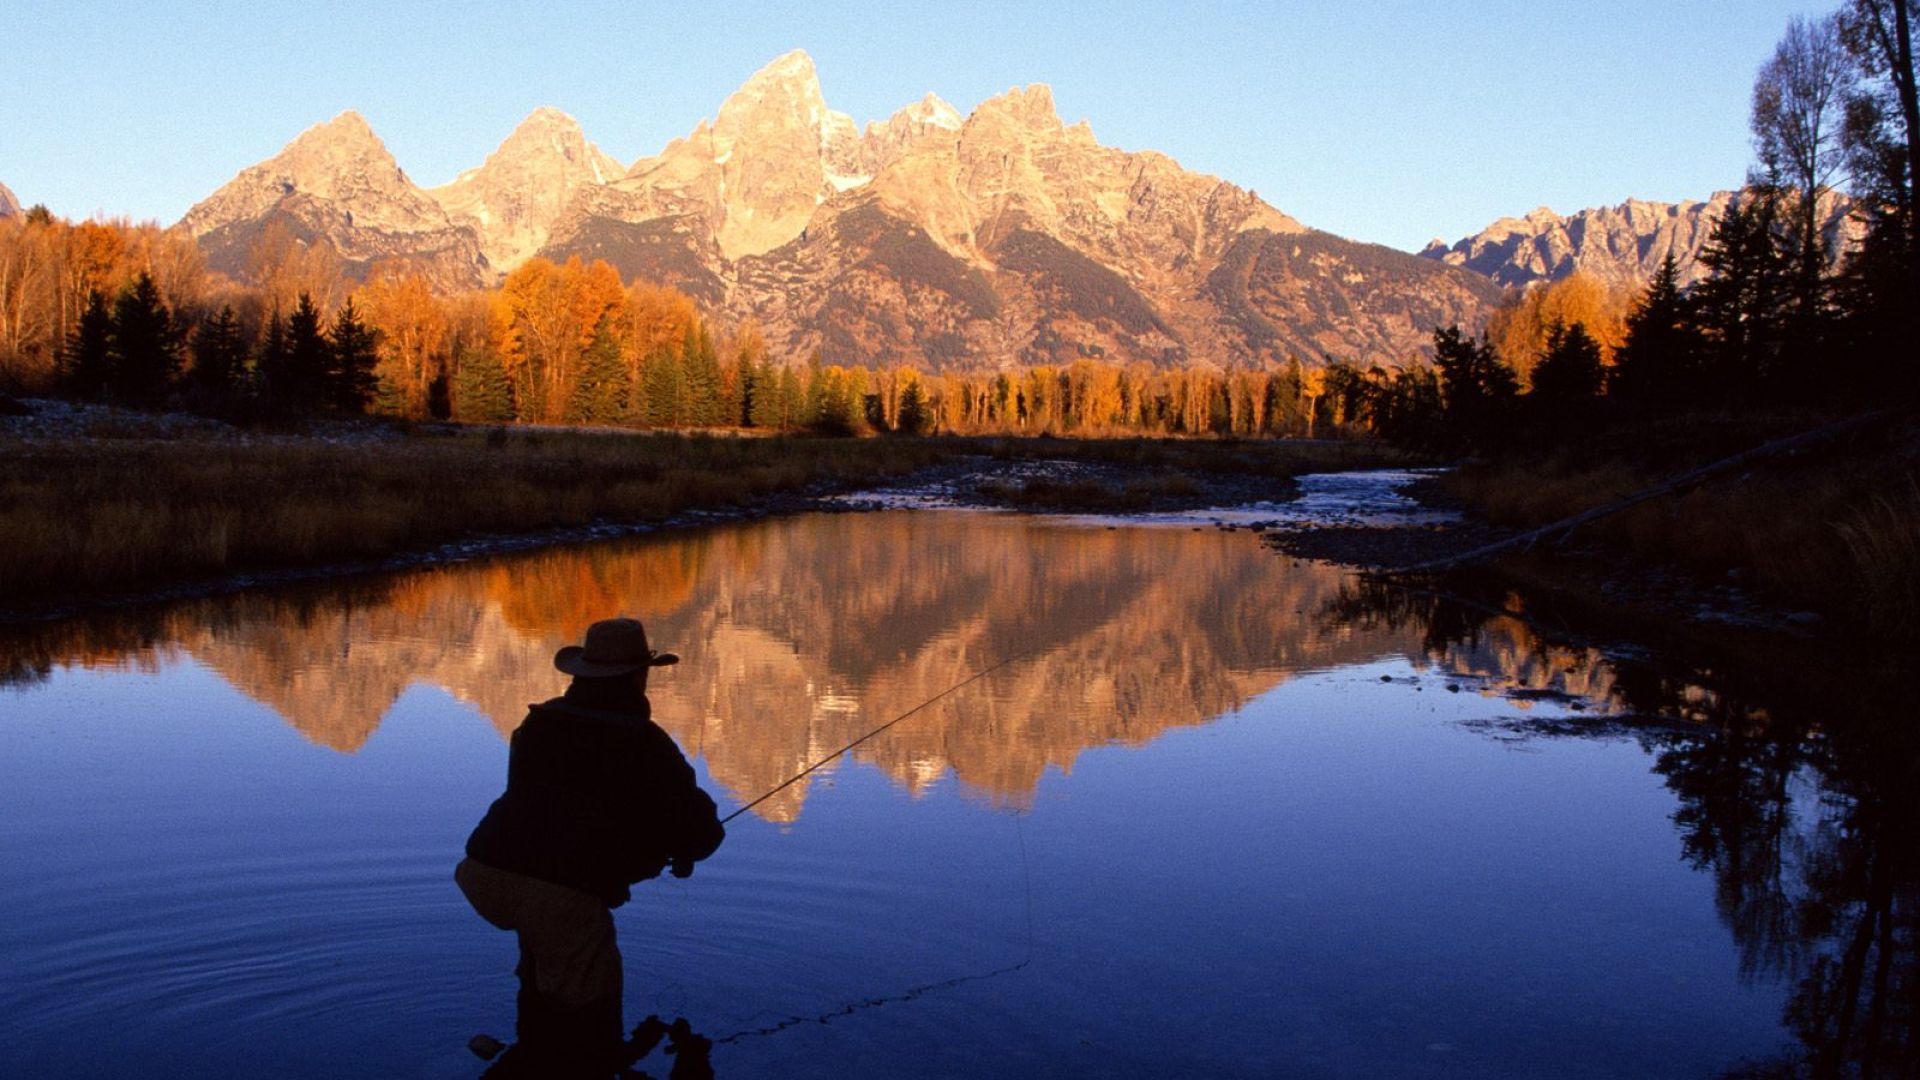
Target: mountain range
1623	246
931	238
947	241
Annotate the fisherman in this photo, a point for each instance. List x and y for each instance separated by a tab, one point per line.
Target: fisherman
598	797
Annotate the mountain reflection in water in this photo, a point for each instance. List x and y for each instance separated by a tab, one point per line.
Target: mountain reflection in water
798	635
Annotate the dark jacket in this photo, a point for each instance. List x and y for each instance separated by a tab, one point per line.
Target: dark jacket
597	798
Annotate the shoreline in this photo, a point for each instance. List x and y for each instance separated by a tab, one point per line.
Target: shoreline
339	470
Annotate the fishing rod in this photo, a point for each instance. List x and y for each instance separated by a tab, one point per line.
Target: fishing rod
809	770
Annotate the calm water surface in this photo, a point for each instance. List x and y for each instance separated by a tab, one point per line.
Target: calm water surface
1225	815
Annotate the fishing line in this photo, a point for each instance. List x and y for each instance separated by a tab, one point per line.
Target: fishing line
914	992
809	770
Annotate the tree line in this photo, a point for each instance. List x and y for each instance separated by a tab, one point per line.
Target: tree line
129	314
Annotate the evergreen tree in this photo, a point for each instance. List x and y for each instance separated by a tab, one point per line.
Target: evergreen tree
1659	357
144	347
766	407
350	380
792	393
705	403
270	362
663	385
914	417
298	381
748	367
219	352
600	394
86	359
1478	388
482	392
1569	371
1737	308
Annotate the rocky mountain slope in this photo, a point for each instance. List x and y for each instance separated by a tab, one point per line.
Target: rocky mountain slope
1001	237
515	197
336	183
1621	245
9	205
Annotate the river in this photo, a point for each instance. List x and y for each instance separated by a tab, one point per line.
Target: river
1219	813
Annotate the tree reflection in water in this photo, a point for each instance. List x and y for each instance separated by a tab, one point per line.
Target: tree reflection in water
1805	818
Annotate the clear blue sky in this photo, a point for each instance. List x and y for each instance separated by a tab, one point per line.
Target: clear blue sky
1389	122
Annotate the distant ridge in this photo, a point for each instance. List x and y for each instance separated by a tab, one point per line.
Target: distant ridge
1622	245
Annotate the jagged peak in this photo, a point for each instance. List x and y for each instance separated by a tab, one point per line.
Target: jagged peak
1031	105
934	110
794	66
348	125
546	116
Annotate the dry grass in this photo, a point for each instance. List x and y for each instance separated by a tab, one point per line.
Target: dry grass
88	514
1884	540
118	509
1822	533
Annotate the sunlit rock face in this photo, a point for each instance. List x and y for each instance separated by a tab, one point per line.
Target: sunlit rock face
999	238
9	205
1622	246
336	184
515	197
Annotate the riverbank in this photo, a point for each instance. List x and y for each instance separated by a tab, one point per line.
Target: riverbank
106	507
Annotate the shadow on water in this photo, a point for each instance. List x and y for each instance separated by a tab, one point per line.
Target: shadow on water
1804	818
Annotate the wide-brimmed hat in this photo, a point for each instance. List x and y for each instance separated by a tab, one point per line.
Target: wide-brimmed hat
614	647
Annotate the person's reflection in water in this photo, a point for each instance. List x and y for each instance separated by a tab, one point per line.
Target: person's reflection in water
598	797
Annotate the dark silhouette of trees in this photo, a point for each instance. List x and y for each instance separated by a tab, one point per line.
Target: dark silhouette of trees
1799	107
1569	371
144	346
87	363
349	360
1478	390
219	359
1738	307
1662	349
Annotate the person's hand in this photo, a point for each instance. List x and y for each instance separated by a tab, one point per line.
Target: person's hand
682	867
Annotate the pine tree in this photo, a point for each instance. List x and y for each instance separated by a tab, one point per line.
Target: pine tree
792	393
270	362
298	382
219	352
768	407
1479	389
1661	352
482	392
663	385
350	380
705	406
914	417
86	360
144	347
1738	306
600	394
1569	371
